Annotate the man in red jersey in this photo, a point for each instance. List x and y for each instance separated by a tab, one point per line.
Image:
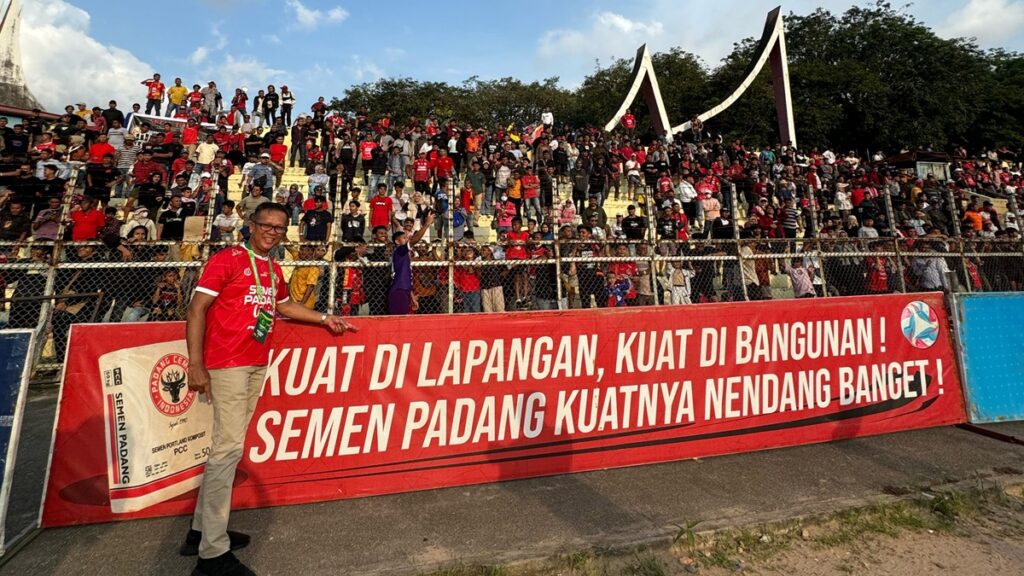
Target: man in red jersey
228	326
421	174
629	121
443	167
154	94
381	207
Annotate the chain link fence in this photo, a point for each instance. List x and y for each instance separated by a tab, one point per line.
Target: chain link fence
49	286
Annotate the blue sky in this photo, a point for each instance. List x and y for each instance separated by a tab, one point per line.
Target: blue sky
93	50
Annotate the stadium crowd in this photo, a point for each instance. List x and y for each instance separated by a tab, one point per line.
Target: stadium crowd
724	217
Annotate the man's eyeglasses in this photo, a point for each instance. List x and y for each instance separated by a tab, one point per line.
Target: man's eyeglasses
268	228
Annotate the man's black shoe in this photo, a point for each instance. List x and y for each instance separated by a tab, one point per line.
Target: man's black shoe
191	545
224	565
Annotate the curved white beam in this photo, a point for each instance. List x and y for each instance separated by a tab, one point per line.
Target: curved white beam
772	48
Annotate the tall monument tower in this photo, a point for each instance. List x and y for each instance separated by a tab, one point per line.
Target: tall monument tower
13	91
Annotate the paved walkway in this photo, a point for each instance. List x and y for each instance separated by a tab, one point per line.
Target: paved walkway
529	519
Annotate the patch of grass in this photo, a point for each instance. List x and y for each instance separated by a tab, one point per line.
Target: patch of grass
645	564
472	570
952	505
687	534
938	513
728	548
584	563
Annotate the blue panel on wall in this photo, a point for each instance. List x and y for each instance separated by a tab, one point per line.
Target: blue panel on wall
992	338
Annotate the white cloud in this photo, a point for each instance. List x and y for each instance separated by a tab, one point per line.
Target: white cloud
220	37
337	14
242	72
608	35
271	38
364	70
64	64
199	56
309	18
990	21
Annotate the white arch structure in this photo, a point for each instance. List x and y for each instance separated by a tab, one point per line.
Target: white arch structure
771	48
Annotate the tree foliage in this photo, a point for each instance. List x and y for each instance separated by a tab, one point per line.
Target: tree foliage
870	78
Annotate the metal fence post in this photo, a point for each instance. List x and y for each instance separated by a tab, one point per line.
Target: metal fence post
332	278
1011	203
955	217
450	240
558	273
900	272
734	200
821	269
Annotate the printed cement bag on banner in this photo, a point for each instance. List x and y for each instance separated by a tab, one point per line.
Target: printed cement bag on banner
158	431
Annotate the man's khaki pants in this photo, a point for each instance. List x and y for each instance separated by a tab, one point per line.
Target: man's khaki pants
235	392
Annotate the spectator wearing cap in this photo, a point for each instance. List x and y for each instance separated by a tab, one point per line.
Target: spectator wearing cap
86	220
262	174
139	218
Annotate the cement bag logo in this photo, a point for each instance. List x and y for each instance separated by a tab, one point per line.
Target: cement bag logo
920	325
168	385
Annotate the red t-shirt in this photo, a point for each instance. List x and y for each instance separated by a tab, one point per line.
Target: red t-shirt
531	184
190	135
665	185
98	151
629	121
684	224
623	269
155	90
444	167
380	211
230	320
517	245
466	279
178	166
277	153
87	224
421	171
366	148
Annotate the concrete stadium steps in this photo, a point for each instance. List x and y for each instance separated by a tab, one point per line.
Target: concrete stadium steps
482	232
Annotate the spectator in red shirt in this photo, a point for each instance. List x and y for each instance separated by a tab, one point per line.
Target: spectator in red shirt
381	208
87	221
278	151
145	166
421	174
516	250
629	121
154	94
467	280
531	195
443	168
100	149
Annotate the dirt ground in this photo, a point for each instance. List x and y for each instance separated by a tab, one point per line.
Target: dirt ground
973	532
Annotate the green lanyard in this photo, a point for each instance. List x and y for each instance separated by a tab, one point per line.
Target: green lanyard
256	276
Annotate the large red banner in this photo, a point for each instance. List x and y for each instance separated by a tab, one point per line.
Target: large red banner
418	402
